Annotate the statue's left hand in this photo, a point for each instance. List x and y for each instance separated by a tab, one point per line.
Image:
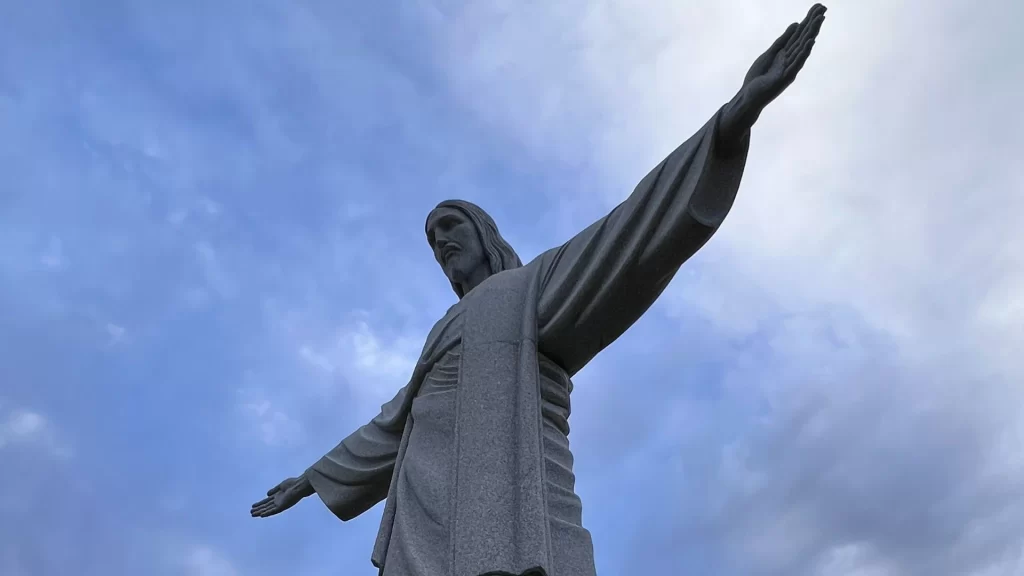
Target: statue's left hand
776	69
771	74
282	497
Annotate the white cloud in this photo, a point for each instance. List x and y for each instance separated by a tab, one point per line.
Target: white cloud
316	360
27	428
153	148
209	206
205	561
177	217
377	359
1012	565
271	424
374	365
853	560
115	332
24	423
53	256
217	277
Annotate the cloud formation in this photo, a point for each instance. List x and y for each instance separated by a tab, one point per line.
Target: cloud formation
879	205
212	268
22	427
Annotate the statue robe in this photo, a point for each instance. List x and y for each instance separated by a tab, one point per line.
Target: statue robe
523	331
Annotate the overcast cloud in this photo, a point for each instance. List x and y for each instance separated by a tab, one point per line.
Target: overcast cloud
212	268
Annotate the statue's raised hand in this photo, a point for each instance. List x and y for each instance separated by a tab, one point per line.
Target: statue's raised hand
282	497
776	69
770	75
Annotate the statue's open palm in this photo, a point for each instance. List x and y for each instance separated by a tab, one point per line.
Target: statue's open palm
279	498
776	69
770	74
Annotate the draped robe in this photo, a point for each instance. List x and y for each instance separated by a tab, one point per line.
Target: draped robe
519	336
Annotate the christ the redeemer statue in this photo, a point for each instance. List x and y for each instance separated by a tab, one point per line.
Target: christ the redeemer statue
472	455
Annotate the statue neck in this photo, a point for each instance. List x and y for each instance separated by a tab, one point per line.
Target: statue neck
479	274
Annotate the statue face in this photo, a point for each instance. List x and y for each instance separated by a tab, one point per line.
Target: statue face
457	245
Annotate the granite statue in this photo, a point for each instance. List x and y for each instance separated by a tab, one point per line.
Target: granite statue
472	456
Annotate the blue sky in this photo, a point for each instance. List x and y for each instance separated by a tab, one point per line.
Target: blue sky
213	269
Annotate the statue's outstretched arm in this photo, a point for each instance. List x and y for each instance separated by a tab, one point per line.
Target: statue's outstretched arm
596	285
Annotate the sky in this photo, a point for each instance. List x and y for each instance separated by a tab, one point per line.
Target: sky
213	269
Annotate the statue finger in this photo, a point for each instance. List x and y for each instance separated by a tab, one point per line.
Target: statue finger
274	490
815	11
806	42
808	17
264	511
814	27
262	502
806	46
806	31
793	68
784	40
798	38
802	53
794	37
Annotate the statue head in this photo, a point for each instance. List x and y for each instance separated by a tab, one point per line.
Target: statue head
467	245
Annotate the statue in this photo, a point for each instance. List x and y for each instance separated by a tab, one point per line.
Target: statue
472	455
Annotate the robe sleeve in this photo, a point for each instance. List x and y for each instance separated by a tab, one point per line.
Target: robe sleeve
356	474
596	285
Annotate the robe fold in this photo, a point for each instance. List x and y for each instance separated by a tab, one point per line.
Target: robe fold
517	338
